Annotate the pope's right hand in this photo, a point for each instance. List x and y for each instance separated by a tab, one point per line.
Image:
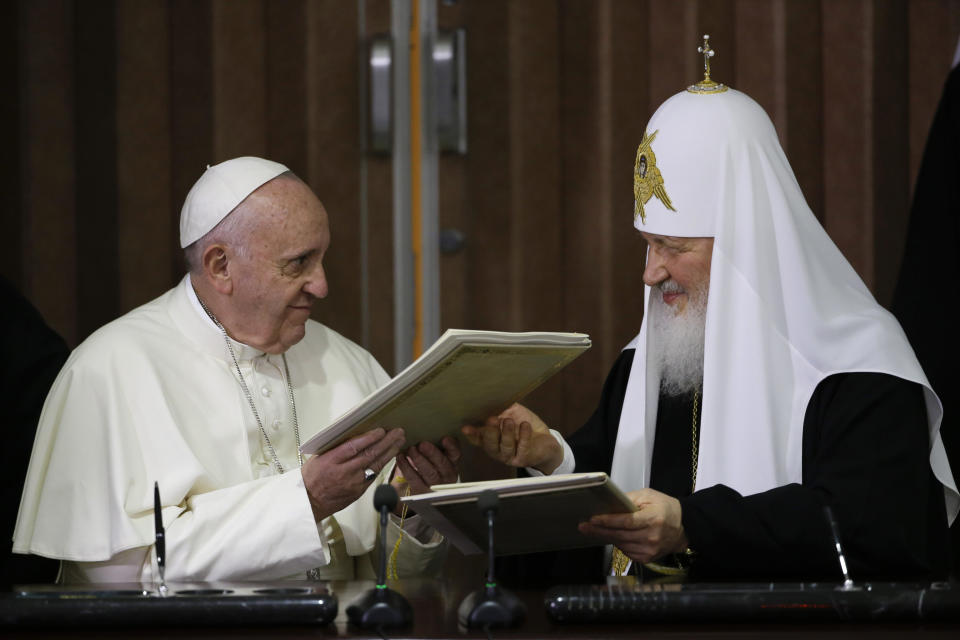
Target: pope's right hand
517	437
338	477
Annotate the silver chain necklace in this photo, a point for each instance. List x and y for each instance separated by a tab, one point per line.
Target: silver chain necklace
249	396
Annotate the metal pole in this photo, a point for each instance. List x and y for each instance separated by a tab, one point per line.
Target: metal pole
364	100
403	275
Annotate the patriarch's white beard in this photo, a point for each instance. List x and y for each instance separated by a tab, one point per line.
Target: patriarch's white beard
676	341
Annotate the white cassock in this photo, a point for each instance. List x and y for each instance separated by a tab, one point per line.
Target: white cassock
154	396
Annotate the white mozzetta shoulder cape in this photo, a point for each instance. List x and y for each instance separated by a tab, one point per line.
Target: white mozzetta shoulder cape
151	397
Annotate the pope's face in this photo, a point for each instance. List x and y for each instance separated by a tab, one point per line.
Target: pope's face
679	266
280	275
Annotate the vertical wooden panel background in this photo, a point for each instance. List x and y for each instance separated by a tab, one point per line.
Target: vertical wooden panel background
146	244
48	247
113	109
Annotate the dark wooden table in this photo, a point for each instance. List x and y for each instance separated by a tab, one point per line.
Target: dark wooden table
435	606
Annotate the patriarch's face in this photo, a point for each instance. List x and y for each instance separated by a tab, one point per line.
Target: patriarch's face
679	267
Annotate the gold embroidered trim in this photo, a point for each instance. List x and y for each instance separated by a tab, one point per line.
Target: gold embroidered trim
647	180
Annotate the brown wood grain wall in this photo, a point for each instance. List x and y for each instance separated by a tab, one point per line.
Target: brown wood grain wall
114	108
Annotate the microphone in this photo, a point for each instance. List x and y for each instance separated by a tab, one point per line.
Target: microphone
384	501
490	606
381	607
160	536
835	530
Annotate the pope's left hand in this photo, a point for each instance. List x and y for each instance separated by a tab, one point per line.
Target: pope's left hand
426	464
653	531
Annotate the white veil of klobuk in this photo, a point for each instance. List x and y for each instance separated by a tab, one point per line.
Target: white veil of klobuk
785	308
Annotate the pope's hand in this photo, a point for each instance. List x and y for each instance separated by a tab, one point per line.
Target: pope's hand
517	437
338	477
653	531
426	464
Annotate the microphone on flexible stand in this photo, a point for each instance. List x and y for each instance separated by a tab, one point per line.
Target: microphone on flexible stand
490	606
381	607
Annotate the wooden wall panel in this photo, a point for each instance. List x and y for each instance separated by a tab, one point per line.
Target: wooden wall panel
891	145
848	129
239	79
191	107
670	67
489	190
536	286
534	164
801	76
455	209
718	18
455	301
607	221
11	197
758	61
933	29
287	99
334	155
147	242
586	209
96	165
48	181
630	39
379	233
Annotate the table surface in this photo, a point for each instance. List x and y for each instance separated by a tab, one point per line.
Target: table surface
435	606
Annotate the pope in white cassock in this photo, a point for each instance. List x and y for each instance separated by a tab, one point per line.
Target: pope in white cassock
209	390
765	383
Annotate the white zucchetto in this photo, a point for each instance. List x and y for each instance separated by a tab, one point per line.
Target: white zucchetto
218	192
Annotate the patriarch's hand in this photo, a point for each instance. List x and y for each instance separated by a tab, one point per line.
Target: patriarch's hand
517	437
653	531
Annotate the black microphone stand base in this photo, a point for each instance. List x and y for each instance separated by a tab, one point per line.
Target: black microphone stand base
489	608
380	608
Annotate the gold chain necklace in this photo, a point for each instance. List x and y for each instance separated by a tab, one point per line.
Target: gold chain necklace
620	561
696	453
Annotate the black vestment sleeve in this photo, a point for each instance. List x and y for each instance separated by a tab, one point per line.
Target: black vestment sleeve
594	442
865	453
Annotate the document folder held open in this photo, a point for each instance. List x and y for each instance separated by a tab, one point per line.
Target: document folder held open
463	378
535	514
